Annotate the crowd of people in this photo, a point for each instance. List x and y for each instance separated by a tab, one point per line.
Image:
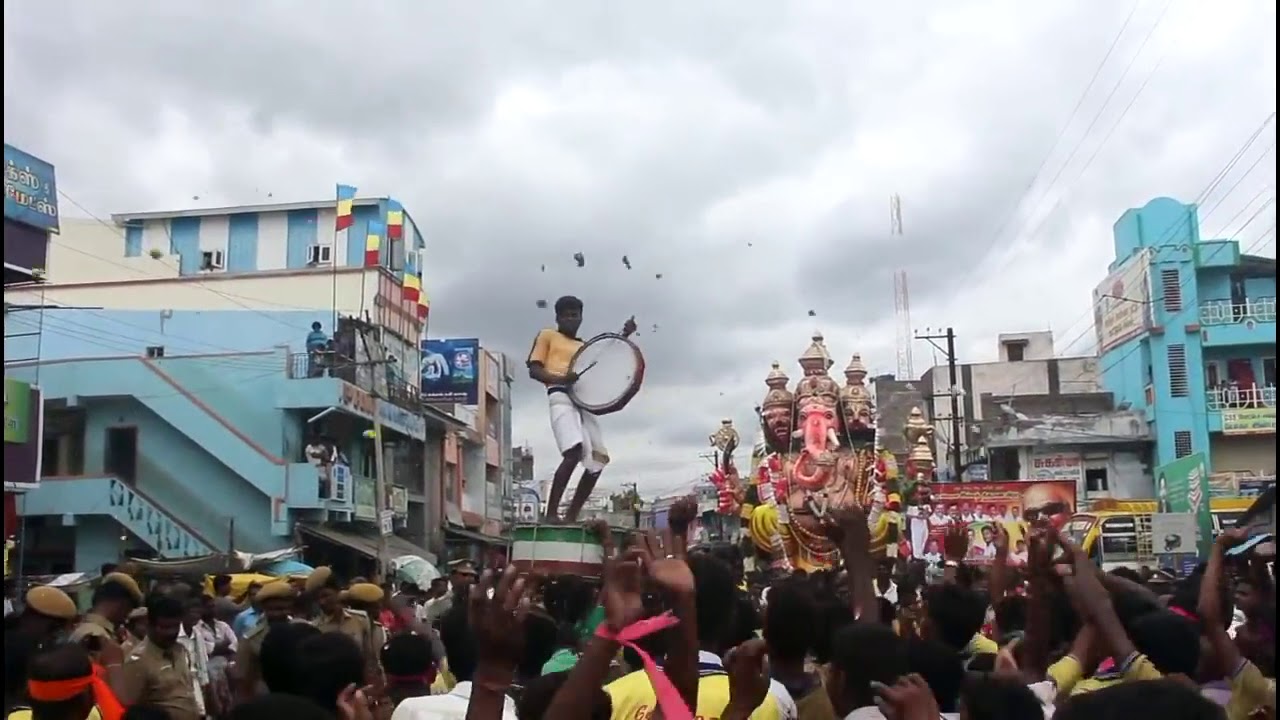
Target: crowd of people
667	632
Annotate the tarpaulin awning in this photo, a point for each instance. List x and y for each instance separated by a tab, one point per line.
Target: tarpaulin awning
464	533
365	543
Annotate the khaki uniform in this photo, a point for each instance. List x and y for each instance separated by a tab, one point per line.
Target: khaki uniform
154	676
356	625
94	626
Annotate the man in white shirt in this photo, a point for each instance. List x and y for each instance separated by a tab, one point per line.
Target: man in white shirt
450	706
884	585
462	573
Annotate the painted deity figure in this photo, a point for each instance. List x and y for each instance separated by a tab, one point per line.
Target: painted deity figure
855	399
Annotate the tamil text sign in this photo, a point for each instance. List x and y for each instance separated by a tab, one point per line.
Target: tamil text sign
1249	421
1057	466
1122	303
23	434
30	192
450	372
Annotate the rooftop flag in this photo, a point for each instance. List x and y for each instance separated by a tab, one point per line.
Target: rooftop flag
346	202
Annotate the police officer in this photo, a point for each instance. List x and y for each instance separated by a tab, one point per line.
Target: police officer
275	602
367	598
158	670
47	614
115	597
324	588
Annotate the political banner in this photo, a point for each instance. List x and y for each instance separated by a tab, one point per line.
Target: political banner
981	507
450	372
1182	486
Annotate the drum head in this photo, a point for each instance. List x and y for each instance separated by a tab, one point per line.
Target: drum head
610	371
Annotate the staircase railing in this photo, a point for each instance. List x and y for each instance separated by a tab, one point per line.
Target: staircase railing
186	508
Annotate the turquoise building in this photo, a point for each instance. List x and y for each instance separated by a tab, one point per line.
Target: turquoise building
1187	335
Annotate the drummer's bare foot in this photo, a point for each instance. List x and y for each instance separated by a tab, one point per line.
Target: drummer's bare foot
586	484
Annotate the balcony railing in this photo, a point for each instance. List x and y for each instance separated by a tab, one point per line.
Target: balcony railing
1225	312
1234	398
327	364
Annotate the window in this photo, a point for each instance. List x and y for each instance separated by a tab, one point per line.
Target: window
1269	371
1172	288
1181	443
1016	351
1095	480
122	453
1211	377
1179	384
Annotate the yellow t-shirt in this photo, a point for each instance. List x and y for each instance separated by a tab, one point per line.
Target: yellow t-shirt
982	645
633	698
554	350
24	713
1068	674
1250	690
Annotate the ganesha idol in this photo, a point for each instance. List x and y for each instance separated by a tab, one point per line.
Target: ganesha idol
818	454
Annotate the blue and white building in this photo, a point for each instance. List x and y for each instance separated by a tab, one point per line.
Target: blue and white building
183	407
1187	334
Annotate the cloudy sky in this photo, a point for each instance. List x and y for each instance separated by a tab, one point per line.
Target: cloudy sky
746	151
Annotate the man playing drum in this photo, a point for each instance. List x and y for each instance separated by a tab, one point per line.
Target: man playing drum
577	432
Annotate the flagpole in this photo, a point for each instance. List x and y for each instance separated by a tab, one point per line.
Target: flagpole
333	261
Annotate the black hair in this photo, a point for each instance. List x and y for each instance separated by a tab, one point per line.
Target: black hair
459	644
1186	595
538	693
278	656
1165	699
864	653
746	619
107	568
993	697
833	615
567	598
220	580
279	705
714	600
406	655
790	619
145	712
540	642
316	325
165	607
568	303
327	664
1171	642
940	667
955	614
1011	614
981	663
59	662
112	591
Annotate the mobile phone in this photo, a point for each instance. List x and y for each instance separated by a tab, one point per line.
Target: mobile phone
1249	544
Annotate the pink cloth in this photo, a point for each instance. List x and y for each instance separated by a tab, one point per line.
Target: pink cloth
673	707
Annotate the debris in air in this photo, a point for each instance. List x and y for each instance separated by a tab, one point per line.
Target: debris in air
813	314
658	276
542	304
626	261
580	259
544	268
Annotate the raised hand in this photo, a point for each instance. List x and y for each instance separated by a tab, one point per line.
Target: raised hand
498	622
748	669
909	699
955	543
667	571
681	514
621	594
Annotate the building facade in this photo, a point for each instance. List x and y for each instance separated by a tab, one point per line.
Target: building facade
30	217
1187	336
1026	366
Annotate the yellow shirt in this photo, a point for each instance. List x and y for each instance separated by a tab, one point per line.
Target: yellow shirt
982	645
1249	691
1068	674
633	698
554	350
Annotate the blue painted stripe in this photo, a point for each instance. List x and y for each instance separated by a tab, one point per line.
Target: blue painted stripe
242	243
184	241
362	215
301	234
133	239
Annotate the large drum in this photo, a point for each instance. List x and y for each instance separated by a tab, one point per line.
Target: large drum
548	549
610	372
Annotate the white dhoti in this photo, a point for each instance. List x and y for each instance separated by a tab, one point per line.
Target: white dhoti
573	426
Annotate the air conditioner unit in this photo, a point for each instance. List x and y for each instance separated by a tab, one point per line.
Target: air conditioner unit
320	255
213	260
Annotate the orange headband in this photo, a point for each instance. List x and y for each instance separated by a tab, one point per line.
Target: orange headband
58	690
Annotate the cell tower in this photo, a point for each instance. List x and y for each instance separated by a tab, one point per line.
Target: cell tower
901	297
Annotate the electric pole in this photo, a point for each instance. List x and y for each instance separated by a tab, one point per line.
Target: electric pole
957	463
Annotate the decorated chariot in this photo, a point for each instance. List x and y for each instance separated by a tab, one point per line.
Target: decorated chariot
819	451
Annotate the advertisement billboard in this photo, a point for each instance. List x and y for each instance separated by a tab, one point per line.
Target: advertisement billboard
1057	466
980	506
1182	486
30	192
450	372
1122	303
23	434
1249	421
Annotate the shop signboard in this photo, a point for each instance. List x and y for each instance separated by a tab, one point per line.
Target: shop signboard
1249	421
1122	303
30	191
1057	466
364	498
450	371
23	434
